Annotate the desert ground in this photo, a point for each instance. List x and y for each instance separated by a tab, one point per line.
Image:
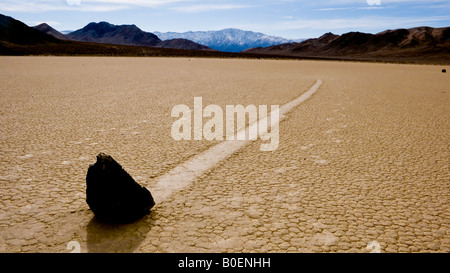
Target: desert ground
363	165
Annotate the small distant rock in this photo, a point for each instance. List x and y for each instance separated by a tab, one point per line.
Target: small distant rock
113	195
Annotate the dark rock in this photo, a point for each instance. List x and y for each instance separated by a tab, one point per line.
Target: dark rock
444	71
113	195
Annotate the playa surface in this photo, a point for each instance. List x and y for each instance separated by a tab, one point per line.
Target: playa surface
362	165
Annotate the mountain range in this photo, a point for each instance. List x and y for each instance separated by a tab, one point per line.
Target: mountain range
15	32
106	33
413	43
227	40
16	38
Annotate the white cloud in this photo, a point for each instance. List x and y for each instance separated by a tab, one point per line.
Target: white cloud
360	23
337	3
73	2
44	6
145	3
333	9
80	5
203	8
352	8
373	2
368	24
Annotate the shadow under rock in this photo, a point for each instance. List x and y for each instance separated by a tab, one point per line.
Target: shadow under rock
106	237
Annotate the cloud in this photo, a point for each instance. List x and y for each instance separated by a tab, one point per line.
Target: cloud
361	23
373	2
371	7
45	6
143	3
331	4
79	5
374	23
187	6
352	8
73	2
333	9
204	8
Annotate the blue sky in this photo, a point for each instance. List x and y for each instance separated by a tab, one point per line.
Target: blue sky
285	18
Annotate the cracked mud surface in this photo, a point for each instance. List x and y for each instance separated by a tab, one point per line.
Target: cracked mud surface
364	159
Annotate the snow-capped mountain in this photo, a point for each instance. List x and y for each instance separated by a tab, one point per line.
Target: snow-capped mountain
228	40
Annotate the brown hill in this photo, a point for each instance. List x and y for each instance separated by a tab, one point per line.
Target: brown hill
182	44
415	44
106	33
51	31
15	32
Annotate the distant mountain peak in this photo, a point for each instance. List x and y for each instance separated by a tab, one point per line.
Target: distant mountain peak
327	37
44	27
104	32
227	40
